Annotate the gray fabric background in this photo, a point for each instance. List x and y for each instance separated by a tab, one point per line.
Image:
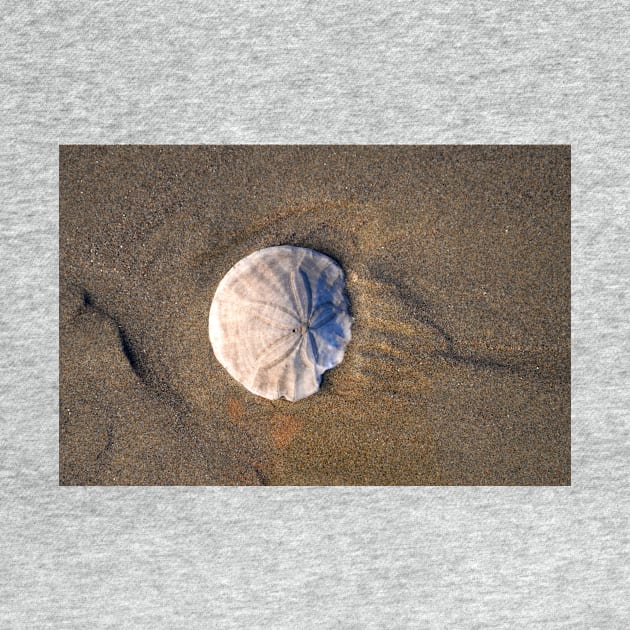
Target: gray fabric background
298	72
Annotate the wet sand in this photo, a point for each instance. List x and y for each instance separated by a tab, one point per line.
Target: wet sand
458	272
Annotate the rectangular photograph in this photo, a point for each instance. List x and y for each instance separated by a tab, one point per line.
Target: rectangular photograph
321	315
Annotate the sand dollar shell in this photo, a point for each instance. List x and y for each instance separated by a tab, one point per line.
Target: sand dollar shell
279	319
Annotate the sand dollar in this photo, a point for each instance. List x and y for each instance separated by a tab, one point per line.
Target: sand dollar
279	319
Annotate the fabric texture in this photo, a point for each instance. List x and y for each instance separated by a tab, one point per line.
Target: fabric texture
328	72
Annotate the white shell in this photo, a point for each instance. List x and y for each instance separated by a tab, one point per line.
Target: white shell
279	319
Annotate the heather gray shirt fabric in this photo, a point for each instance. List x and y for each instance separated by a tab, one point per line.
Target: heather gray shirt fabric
299	72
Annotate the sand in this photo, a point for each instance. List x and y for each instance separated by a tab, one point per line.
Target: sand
458	272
